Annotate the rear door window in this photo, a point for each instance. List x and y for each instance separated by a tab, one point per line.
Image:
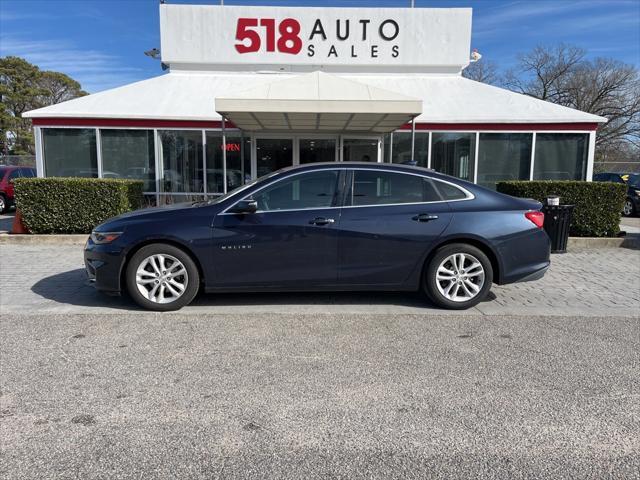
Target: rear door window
372	187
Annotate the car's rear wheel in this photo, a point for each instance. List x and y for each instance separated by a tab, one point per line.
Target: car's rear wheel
458	276
3	204
162	277
628	209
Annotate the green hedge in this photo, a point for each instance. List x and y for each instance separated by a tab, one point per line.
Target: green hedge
598	205
74	205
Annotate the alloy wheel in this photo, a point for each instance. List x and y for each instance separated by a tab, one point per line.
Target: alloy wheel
628	208
460	277
161	278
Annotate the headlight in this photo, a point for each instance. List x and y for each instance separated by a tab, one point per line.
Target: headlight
104	237
637	193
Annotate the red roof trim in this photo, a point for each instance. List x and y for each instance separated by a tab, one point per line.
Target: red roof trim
503	126
127	122
143	123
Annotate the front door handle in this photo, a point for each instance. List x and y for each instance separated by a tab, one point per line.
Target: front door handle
321	221
424	217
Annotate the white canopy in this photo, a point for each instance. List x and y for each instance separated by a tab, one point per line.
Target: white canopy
190	96
318	101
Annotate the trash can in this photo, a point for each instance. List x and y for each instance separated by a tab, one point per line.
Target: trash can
557	219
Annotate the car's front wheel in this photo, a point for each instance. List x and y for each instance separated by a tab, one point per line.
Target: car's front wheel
3	204
458	276
162	277
628	209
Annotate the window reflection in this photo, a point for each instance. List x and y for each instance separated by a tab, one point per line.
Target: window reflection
454	154
181	152
70	152
560	156
129	154
503	156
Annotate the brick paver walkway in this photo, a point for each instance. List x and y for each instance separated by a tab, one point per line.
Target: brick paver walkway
50	279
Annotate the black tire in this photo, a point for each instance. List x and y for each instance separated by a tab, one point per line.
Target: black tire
191	280
430	284
3	204
628	210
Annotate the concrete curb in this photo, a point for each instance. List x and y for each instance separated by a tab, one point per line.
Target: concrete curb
9	239
589	243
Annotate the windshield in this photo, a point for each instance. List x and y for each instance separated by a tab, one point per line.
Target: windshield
634	180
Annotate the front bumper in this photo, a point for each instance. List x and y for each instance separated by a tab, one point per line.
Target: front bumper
103	265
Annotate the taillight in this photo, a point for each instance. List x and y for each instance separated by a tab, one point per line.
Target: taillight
536	217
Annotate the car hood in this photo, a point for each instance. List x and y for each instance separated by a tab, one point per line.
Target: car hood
150	214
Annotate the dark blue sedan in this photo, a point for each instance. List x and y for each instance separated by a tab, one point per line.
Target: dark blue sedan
330	226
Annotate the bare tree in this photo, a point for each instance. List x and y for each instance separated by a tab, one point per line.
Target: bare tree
542	72
602	86
482	71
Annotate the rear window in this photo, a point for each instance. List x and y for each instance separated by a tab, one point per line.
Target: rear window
449	191
371	187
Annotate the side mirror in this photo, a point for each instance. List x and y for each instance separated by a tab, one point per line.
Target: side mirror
245	206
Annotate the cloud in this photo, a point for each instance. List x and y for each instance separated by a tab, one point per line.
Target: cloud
520	15
94	70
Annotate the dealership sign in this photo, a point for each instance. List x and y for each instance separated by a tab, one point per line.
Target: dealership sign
197	36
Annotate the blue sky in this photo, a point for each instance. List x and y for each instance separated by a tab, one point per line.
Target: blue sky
101	43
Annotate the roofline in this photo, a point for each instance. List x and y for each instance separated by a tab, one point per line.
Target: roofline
169	123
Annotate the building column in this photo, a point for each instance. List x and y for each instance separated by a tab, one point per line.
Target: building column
39	156
590	156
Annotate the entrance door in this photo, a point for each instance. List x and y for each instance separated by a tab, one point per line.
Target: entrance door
365	149
273	154
316	150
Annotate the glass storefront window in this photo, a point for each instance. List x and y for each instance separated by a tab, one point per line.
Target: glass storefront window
181	153
401	150
503	156
560	156
70	152
360	149
273	154
129	154
317	150
238	161
454	154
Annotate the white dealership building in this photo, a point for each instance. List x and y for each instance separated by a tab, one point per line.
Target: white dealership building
253	89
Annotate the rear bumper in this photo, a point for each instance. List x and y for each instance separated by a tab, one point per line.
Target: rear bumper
525	257
537	275
103	267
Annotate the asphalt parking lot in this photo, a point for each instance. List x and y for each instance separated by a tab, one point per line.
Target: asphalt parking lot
319	396
540	381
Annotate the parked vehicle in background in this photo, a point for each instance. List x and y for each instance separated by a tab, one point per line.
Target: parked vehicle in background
632	180
326	226
632	203
7	175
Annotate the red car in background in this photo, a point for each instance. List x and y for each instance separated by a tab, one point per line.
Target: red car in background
7	174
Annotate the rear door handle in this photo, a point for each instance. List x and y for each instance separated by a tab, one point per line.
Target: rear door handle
424	217
321	221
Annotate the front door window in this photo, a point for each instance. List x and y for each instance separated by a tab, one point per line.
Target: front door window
309	190
273	154
360	149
